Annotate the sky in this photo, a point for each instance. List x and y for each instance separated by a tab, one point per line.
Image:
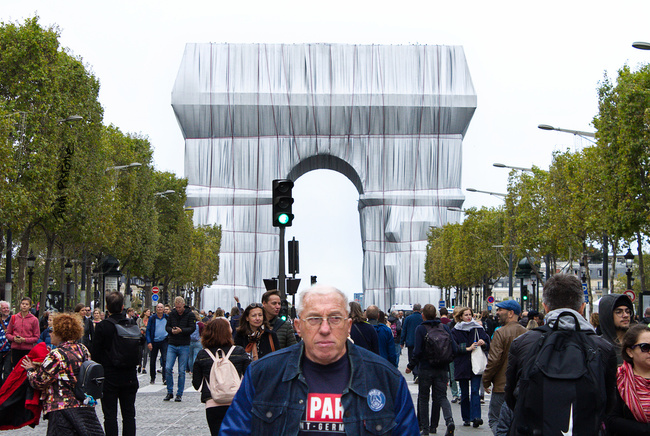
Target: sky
531	63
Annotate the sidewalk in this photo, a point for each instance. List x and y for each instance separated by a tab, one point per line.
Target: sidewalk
155	417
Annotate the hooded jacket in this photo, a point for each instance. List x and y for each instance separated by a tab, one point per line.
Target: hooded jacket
606	308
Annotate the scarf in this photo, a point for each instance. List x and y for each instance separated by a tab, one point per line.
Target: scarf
253	342
467	326
635	392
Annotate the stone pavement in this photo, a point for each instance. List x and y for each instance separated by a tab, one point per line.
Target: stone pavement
155	417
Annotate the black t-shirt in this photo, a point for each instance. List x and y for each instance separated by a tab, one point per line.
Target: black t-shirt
324	413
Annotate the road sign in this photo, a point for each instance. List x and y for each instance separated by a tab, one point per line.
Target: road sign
489	308
630	294
490	299
155	290
154	298
441	304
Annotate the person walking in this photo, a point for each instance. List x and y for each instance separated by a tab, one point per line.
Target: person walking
217	335
409	325
469	335
195	340
385	342
143	320
180	325
157	342
23	331
362	333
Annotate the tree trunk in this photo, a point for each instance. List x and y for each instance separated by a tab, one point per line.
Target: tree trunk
612	274
46	271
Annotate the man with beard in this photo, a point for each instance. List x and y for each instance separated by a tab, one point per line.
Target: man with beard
615	313
495	372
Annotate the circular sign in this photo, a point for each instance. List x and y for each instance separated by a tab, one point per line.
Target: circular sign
155	290
490	299
154	297
630	294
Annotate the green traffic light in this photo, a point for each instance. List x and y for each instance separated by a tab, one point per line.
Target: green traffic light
525	297
283	218
283	317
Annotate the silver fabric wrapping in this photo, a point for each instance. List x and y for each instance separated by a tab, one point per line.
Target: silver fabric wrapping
390	118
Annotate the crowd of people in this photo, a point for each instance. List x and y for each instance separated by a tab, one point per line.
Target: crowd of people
333	370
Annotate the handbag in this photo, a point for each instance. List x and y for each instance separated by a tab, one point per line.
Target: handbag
479	360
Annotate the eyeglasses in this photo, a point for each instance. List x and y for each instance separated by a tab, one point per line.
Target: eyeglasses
333	321
620	312
644	347
254	305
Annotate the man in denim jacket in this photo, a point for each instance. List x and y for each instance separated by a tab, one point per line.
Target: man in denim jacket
322	385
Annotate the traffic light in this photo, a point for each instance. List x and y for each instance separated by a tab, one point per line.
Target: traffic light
282	201
524	293
294	265
284	310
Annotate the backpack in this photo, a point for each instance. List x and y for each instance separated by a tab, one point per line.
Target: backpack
195	336
90	382
437	345
561	388
126	349
224	379
393	328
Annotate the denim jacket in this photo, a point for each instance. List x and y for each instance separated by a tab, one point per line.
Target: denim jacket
273	396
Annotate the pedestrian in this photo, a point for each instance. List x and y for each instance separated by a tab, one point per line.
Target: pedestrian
494	376
217	335
631	415
434	375
120	378
5	345
324	384
46	336
97	317
396	329
23	331
282	328
581	378
615	314
469	335
87	323
143	321
195	340
56	378
255	334
234	315
362	333
408	334
385	343
157	342
180	325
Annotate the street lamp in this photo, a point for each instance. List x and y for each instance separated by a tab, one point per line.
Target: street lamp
497	194
68	270
629	262
122	167
580	133
500	165
31	260
164	193
641	45
70	119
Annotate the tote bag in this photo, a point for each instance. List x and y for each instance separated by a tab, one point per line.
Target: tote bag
479	360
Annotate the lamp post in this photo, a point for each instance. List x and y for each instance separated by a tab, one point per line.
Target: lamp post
500	165
583	134
496	194
68	271
629	262
31	260
122	167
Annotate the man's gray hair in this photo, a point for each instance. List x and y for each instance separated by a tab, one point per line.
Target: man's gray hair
563	291
417	307
320	290
5	302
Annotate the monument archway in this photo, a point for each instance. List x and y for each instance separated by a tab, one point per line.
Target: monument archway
390	118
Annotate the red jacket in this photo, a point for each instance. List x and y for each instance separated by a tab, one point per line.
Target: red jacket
27	328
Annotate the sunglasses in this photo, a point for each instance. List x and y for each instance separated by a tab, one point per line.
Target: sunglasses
254	305
644	347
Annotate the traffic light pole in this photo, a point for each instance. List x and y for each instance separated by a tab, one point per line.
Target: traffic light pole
281	276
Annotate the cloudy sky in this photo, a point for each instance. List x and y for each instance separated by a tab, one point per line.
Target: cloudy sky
531	63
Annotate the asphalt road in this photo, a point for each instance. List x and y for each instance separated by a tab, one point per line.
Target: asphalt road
155	417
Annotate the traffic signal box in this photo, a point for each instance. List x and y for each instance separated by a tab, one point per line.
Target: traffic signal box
284	310
282	201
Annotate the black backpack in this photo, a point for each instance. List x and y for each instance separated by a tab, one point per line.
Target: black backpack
126	349
437	345
90	382
561	386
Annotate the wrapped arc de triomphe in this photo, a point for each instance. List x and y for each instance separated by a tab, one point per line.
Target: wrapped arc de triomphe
389	118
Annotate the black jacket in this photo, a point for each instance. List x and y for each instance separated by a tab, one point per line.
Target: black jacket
621	422
203	364
264	347
187	323
102	341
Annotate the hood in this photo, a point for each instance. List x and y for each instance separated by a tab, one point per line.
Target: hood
606	308
468	325
567	322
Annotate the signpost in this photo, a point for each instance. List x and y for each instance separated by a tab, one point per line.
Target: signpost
585	290
154	294
630	294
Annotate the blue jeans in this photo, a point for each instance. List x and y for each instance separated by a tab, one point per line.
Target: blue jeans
195	347
182	352
470	408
